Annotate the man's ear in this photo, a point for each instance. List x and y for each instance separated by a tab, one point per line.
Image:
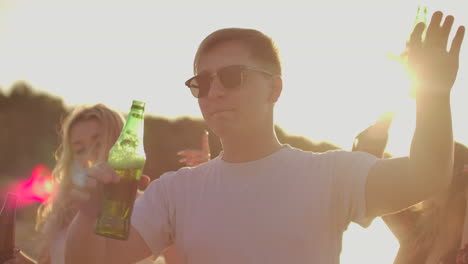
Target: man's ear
277	88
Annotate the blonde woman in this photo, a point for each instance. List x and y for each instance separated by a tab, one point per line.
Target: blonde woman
87	134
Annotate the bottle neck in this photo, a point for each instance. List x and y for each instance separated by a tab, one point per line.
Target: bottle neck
135	120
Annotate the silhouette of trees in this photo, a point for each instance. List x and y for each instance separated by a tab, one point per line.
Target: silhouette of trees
29	134
29	123
3	99
165	137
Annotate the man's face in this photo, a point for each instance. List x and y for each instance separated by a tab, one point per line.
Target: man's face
230	111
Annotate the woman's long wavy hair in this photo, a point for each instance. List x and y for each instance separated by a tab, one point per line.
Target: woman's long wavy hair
57	214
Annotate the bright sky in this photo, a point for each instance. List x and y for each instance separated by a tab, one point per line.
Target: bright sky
337	78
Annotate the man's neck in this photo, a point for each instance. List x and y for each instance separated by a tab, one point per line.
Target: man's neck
250	147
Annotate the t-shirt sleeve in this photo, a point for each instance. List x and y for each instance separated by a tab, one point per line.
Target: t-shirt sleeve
350	171
151	215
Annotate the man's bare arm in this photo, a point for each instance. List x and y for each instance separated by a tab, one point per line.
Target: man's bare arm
83	246
395	184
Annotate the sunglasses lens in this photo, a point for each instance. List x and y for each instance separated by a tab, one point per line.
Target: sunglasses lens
230	77
195	92
199	85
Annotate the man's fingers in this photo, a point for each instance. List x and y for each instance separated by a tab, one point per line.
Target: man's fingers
457	42
103	173
91	183
434	24
416	36
144	181
447	25
445	31
436	19
433	30
115	177
107	177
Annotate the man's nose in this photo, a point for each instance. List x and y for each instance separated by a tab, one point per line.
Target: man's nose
217	89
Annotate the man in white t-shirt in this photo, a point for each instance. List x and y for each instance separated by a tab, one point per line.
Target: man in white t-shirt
263	202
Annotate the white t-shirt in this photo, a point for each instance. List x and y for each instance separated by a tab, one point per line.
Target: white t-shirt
57	249
289	207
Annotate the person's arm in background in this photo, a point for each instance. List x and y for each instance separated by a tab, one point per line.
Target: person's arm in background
21	258
195	157
373	139
395	184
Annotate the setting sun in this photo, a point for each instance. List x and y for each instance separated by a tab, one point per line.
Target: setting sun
339	62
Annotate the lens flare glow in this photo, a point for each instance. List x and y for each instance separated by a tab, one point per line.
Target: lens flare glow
40	187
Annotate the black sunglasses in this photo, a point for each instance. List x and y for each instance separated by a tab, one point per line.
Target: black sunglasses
231	77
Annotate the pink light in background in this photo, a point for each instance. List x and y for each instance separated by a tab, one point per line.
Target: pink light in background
40	187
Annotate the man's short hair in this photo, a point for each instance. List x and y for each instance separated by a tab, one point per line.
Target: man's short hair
262	47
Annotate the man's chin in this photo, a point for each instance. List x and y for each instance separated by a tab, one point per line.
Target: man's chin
222	115
221	129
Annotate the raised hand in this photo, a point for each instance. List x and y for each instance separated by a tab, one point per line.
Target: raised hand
195	157
374	139
433	66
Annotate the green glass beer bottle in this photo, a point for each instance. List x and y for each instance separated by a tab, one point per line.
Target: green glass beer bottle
127	157
421	16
